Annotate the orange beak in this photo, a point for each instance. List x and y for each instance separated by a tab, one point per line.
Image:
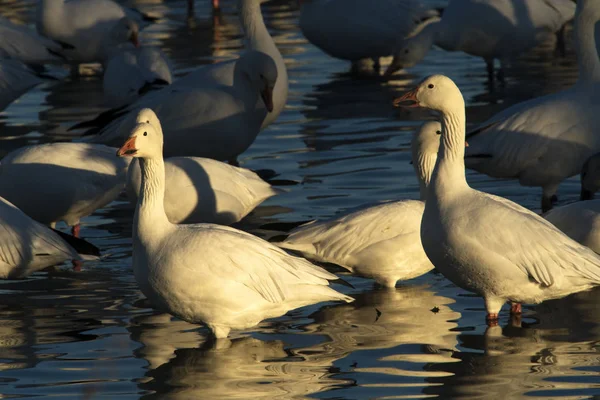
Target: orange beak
135	39
466	144
408	97
267	97
128	148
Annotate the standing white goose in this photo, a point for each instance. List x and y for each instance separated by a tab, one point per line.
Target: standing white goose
381	242
204	190
83	24
62	181
218	275
15	80
484	243
543	141
26	246
359	30
491	29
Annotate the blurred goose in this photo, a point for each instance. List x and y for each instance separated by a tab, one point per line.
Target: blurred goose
15	80
581	220
207	118
359	30
178	267
62	181
204	190
21	43
380	242
27	246
131	72
492	29
484	243
545	140
84	24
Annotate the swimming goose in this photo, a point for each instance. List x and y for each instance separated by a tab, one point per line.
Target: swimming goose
208	273
204	190
15	80
380	242
62	181
545	140
359	30
484	243
492	29
26	246
84	24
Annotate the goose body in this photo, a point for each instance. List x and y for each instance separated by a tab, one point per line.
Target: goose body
361	29
15	80
204	190
580	221
22	43
208	273
62	181
84	24
132	72
26	246
484	243
381	242
543	141
491	29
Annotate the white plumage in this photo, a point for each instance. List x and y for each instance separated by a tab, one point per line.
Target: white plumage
15	80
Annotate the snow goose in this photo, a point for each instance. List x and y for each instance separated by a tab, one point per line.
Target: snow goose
484	243
131	72
84	24
545	140
208	273
62	181
359	30
204	190
494	29
380	242
205	119
27	246
15	80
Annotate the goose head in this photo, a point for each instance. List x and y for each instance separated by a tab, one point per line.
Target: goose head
260	71
590	177
437	92
145	140
123	31
414	48
424	148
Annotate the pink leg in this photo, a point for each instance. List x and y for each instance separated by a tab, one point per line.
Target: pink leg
76	230
77	265
215	4
515	308
492	319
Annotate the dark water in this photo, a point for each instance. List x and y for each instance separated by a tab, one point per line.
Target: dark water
90	335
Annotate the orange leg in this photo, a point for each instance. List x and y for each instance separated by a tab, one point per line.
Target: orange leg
75	231
492	320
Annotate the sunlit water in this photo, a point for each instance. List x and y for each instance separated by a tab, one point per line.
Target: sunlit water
90	335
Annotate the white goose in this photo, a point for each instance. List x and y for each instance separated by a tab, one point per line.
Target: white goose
204	190
62	181
26	246
543	141
484	243
83	24
218	275
359	30
491	29
208	119
380	242
15	80
581	220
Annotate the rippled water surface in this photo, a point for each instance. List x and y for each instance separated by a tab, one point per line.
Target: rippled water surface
90	334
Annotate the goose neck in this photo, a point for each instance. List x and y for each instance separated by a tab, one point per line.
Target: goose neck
424	165
150	213
253	24
585	48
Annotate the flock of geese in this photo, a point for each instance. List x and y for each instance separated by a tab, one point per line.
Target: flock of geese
188	262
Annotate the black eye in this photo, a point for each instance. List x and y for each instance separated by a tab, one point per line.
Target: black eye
438	132
145	133
406	51
147	122
430	86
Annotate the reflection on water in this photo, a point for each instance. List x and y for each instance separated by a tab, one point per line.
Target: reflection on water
90	334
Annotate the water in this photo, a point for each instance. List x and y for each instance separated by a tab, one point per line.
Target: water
90	334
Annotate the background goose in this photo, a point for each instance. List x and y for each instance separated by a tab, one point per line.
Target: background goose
492	29
543	141
62	181
204	190
178	267
359	30
84	24
484	243
27	246
380	242
15	80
